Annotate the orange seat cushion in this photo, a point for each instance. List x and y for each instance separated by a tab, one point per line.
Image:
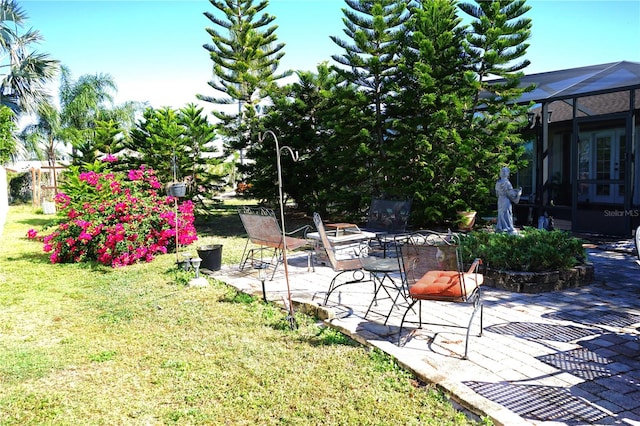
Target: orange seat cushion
445	284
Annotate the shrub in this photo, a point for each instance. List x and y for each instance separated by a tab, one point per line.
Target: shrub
116	219
533	250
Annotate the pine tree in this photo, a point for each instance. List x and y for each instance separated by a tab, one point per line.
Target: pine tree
156	143
177	143
319	117
106	140
370	60
198	138
245	59
430	110
497	43
496	46
295	117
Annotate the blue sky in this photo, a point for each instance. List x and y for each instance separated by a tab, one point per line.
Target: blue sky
153	48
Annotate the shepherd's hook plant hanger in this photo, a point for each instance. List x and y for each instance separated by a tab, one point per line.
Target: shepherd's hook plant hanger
294	156
174	167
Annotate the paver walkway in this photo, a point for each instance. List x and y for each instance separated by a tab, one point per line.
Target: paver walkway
569	357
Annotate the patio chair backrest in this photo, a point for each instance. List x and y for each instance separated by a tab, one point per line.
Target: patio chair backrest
261	226
317	220
388	215
426	251
433	271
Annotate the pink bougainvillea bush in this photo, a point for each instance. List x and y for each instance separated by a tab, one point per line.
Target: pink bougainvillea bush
116	218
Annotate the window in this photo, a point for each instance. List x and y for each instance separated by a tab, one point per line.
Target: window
526	176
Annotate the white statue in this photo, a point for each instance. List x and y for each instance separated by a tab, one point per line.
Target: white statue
506	195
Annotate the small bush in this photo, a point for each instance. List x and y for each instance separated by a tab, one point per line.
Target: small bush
533	250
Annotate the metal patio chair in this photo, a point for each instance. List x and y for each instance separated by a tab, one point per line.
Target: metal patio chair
266	240
387	219
353	270
433	271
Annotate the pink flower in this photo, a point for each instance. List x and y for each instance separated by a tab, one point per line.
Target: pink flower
82	223
32	234
90	177
115	187
84	237
62	200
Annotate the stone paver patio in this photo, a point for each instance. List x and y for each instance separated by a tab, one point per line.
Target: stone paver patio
568	357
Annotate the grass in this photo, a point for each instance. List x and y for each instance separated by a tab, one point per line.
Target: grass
87	344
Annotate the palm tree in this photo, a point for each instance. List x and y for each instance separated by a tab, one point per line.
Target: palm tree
85	105
42	138
23	73
81	102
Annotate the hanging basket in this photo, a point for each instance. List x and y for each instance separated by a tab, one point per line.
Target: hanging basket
178	189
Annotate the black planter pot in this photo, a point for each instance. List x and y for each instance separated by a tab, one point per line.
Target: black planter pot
211	256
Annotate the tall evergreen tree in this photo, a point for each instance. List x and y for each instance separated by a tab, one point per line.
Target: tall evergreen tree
245	59
176	143
107	140
198	137
156	143
430	110
316	116
496	45
294	119
371	53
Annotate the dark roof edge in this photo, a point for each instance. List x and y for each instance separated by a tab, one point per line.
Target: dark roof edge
529	79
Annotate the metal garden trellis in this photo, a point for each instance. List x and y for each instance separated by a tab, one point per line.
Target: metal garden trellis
294	155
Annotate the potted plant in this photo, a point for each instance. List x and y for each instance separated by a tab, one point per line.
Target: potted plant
465	216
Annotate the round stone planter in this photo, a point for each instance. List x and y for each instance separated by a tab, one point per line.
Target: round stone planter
539	282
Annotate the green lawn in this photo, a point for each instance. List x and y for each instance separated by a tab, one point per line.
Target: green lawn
87	344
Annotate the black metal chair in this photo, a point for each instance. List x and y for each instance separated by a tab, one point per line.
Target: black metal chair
357	269
433	271
387	219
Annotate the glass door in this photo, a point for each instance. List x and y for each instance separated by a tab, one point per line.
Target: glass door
601	167
609	166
